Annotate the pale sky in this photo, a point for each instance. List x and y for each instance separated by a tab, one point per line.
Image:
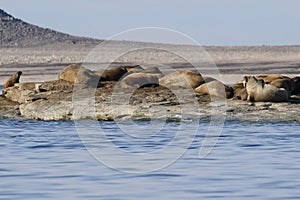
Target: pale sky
210	22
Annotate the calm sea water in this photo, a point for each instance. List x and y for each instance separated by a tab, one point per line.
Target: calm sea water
47	160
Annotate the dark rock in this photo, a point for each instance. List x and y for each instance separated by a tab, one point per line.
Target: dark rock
29	92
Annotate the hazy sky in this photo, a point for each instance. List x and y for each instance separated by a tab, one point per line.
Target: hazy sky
210	22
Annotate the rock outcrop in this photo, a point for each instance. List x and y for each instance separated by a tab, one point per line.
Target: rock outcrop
53	101
61	100
23	93
9	109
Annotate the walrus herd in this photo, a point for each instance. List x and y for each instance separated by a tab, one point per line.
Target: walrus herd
264	88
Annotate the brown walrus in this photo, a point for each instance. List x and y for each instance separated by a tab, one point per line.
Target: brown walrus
133	68
239	91
12	80
258	90
271	77
69	73
215	88
284	83
81	76
115	74
208	79
182	79
137	80
279	81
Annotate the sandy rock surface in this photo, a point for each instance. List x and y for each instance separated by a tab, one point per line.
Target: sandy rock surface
56	100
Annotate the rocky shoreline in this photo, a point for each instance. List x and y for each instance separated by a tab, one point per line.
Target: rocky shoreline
60	100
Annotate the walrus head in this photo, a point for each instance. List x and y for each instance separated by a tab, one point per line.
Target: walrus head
252	80
245	80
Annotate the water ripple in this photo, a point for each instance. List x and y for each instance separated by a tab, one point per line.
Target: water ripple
46	160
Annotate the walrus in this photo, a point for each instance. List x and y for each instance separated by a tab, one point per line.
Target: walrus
182	79
81	76
15	78
115	74
258	90
133	68
287	84
208	79
215	88
138	80
69	73
139	69
271	77
239	91
278	81
296	82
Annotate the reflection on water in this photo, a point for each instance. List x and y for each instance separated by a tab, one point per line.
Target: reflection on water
46	160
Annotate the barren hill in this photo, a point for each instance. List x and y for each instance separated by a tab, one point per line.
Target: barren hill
17	33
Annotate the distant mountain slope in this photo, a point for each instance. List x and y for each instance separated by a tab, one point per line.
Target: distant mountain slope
17	33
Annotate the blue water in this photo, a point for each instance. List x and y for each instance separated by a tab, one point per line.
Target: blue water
47	160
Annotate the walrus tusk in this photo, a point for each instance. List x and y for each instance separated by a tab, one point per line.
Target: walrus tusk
244	83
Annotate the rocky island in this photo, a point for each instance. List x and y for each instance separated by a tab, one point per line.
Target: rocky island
118	94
